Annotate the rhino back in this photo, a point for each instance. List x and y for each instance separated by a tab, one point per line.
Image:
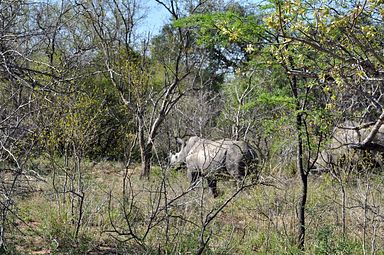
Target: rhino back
189	148
240	151
206	156
338	146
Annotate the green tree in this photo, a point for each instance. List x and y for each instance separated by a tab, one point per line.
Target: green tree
261	45
346	37
335	44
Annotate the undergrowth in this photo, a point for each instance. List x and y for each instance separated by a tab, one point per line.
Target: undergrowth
156	217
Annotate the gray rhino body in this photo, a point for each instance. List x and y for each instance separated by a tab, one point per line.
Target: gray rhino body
208	158
338	149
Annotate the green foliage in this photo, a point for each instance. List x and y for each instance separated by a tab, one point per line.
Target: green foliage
327	242
231	37
93	120
10	250
275	99
228	27
321	39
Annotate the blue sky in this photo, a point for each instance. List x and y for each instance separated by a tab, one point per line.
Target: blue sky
156	17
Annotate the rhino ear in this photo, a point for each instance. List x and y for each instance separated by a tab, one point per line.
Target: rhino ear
180	141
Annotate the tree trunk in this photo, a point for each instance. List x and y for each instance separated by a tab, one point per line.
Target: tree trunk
302	203
343	209
80	193
146	155
2	242
145	147
304	182
146	144
300	165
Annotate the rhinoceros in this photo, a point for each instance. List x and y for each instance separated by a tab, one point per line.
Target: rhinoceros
207	158
339	149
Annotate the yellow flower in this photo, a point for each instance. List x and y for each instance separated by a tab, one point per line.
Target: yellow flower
225	31
329	106
234	35
249	48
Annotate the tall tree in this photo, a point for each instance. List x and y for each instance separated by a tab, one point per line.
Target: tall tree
261	45
149	81
337	45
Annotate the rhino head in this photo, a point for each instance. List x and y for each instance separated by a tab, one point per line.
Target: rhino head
174	159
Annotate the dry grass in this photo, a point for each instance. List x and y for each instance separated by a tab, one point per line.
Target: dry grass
167	218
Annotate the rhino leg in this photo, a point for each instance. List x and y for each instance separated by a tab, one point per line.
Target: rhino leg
235	171
193	176
212	184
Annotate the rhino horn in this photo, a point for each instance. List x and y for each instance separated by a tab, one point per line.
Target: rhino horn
180	141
